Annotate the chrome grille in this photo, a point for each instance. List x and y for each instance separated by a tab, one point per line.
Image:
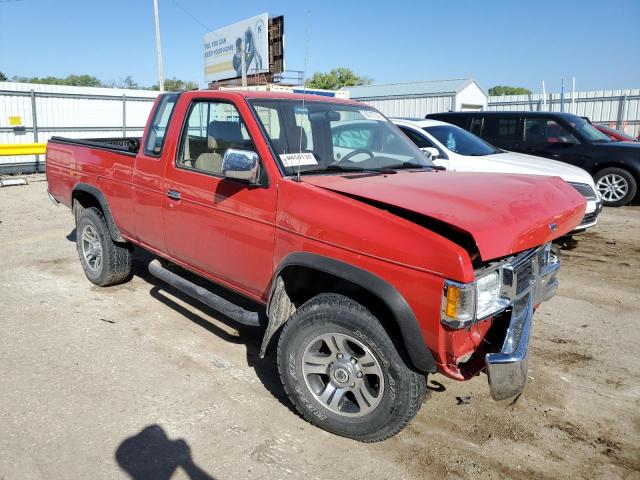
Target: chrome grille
524	277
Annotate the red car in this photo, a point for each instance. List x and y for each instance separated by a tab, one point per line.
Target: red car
615	135
368	267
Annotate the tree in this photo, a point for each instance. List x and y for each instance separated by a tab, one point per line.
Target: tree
500	90
336	78
73	80
175	85
126	82
3	77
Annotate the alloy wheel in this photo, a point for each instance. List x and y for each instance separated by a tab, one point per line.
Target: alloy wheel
612	187
91	248
343	374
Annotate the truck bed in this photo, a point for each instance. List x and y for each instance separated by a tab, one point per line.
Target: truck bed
126	145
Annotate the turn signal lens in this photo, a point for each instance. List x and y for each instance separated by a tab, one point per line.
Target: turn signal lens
459	304
453	295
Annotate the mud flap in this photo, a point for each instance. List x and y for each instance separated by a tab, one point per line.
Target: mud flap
280	310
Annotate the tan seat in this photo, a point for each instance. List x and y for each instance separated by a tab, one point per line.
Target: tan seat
210	161
220	137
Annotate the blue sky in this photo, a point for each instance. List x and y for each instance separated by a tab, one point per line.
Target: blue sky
496	42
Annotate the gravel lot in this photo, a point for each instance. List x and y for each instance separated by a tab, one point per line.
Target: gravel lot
137	382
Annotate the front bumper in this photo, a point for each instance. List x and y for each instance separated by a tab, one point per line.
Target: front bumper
594	207
534	283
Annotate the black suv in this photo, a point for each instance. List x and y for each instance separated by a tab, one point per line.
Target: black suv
615	166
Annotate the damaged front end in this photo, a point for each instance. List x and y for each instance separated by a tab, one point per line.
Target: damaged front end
507	291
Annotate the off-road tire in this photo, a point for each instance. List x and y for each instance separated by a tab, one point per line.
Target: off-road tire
116	262
404	389
627	176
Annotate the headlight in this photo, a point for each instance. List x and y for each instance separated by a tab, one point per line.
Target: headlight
488	294
464	303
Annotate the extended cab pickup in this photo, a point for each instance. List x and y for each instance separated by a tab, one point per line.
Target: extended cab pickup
367	267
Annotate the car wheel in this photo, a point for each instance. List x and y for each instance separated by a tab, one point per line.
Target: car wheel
104	262
616	186
344	374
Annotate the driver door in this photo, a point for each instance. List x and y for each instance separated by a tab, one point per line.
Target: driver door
544	137
220	226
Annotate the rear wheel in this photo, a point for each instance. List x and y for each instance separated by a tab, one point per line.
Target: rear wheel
616	186
104	262
344	374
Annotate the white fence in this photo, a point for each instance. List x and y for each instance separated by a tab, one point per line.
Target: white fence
33	113
619	109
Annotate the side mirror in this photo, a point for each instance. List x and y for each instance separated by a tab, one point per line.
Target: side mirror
241	165
431	152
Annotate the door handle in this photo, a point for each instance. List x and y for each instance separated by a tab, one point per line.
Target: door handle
173	195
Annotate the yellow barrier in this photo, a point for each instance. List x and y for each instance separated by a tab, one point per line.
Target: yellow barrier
22	149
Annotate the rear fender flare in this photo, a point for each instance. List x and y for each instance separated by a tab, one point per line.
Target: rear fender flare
104	205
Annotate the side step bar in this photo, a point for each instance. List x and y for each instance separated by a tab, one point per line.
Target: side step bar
231	310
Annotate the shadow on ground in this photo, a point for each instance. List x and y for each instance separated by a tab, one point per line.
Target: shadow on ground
251	337
151	455
265	368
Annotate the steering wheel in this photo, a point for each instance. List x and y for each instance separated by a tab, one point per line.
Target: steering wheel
356	152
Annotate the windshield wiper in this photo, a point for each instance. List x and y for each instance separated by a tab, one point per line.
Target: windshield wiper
334	167
398	166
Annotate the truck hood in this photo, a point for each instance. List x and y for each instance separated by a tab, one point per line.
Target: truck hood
512	162
504	214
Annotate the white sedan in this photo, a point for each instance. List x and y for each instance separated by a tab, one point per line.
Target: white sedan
458	150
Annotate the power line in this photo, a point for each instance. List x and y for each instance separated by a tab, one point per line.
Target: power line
193	17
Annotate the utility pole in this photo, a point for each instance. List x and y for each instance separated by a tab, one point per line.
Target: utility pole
158	47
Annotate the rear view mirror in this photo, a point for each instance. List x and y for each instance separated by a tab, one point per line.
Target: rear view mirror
240	165
324	116
431	152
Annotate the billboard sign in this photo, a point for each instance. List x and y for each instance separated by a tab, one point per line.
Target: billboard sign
222	60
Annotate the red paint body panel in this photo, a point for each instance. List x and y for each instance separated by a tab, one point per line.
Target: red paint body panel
237	235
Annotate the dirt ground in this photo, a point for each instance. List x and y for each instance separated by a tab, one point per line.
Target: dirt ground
137	382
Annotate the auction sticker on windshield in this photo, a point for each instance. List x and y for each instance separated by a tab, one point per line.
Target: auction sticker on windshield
295	159
372	115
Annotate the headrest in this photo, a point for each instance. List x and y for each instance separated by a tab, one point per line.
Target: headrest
223	135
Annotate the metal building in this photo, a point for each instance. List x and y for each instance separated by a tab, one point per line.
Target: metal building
417	99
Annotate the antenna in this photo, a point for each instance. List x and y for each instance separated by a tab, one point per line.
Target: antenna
304	91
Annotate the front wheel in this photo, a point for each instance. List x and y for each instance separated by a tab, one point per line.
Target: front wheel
616	185
344	374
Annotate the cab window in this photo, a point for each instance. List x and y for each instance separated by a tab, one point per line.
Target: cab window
210	130
158	127
419	140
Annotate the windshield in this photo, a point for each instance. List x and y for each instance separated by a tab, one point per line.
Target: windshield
320	137
588	131
460	141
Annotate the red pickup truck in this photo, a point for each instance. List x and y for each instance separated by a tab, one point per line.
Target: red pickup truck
368	267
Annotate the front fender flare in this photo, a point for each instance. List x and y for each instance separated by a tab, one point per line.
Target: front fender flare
420	356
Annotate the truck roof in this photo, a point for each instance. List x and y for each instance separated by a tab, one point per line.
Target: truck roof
310	97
